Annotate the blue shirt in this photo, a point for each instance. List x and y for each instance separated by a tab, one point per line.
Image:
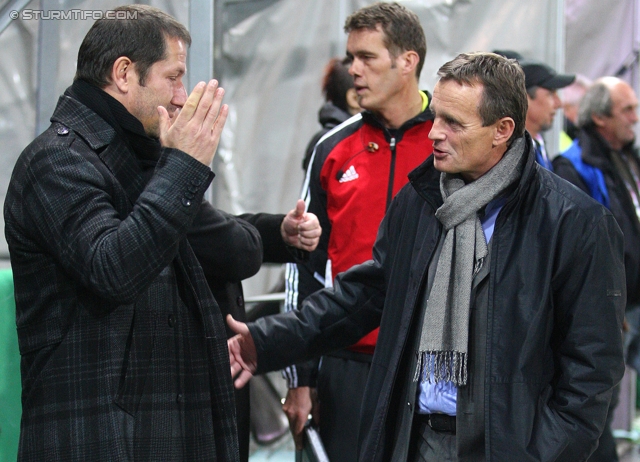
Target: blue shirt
441	397
541	153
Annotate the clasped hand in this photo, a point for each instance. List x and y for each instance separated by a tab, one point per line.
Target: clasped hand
243	356
197	127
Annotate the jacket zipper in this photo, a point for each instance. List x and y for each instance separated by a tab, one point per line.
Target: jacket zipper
392	168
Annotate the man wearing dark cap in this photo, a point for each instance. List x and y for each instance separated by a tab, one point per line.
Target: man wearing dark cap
542	83
509	54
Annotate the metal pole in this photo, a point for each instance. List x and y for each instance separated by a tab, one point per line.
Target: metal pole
342	37
553	141
48	58
201	51
635	74
10	12
202	14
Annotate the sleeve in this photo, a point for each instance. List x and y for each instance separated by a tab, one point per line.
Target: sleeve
304	278
333	318
589	298
329	320
228	248
69	206
275	249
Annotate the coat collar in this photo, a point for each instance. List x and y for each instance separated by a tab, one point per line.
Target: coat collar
425	179
370	118
102	139
595	149
84	122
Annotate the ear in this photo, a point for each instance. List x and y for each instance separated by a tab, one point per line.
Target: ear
504	130
408	61
598	120
122	74
352	101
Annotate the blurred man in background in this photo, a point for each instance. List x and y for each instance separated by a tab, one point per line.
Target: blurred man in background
603	162
341	101
571	97
542	84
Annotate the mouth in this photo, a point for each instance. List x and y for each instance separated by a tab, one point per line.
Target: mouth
360	89
439	153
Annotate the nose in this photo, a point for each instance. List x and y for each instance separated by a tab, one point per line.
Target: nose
436	132
556	101
634	116
354	68
179	95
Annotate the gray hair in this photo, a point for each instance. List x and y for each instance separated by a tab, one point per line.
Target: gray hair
596	101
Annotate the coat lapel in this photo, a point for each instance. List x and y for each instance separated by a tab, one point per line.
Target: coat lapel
122	163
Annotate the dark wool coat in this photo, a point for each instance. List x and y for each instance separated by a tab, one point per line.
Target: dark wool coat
123	346
555	299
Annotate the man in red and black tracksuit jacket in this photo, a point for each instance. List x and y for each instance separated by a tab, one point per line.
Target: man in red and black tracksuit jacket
355	171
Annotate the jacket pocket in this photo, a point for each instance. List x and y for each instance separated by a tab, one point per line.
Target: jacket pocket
137	360
550	436
38	335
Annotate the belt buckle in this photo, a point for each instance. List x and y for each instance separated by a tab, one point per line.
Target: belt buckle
429	421
440	424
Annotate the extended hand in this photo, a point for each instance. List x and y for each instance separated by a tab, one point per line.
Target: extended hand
196	129
301	229
242	353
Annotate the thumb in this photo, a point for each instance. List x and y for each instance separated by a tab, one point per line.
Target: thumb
300	208
237	327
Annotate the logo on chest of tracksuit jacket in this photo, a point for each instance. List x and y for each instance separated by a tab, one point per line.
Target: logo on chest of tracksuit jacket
349	175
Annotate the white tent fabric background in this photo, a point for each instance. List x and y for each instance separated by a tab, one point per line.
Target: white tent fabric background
601	37
271	68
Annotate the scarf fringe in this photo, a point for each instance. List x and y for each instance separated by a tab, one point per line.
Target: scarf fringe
441	366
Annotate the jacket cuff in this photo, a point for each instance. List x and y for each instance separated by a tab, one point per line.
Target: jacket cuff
301	375
181	179
298	255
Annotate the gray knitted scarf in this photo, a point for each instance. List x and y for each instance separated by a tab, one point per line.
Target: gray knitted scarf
445	330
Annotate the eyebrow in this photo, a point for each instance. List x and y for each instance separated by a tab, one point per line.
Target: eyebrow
444	115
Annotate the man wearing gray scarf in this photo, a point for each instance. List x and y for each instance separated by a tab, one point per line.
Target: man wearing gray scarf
498	287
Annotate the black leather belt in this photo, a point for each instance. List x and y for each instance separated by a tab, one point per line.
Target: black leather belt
439	422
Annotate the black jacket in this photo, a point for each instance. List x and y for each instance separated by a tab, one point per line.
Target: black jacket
556	298
595	152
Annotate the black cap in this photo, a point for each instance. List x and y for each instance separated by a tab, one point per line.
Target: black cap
540	75
509	54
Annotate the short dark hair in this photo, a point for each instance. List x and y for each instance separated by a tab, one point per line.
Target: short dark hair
503	94
596	101
401	27
336	82
141	37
